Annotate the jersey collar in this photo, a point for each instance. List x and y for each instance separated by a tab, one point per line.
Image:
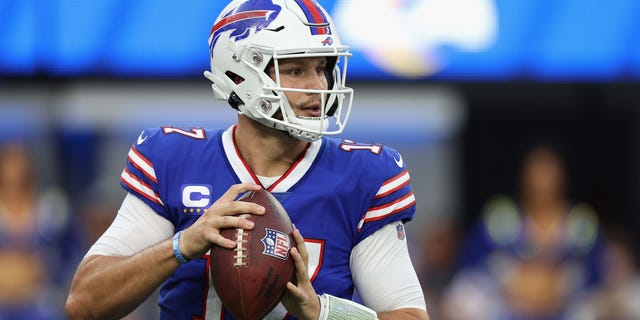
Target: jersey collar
288	179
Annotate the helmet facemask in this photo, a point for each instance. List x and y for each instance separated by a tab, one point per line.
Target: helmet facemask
333	113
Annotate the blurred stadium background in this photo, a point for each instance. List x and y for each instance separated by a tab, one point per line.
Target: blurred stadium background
458	86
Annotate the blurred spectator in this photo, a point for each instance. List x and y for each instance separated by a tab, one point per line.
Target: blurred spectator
619	297
437	245
532	256
38	250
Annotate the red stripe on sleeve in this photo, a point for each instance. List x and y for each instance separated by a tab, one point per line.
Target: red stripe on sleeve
144	171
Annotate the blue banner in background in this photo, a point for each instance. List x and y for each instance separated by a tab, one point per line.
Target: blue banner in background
547	40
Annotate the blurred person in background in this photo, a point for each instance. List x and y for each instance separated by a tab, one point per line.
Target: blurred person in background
38	248
532	256
436	247
619	296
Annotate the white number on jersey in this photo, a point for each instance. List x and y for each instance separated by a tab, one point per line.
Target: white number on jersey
348	146
193	133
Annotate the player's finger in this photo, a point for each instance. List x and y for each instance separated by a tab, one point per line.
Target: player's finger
239	207
235	190
300	245
302	276
226	222
219	240
235	208
296	293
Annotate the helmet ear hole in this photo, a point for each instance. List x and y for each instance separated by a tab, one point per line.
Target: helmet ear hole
235	101
234	77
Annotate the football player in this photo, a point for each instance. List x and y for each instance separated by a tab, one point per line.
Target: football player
280	64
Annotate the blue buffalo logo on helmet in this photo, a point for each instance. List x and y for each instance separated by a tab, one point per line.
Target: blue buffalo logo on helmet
248	15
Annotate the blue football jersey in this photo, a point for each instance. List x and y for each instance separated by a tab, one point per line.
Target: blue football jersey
337	193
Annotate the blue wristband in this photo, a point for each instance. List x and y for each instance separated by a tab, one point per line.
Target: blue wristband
176	248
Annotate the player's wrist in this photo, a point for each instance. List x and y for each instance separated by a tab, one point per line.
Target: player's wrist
334	308
317	309
182	258
323	314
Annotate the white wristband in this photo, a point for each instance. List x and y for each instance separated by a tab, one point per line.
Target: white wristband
334	308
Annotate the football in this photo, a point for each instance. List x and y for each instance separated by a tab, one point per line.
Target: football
251	279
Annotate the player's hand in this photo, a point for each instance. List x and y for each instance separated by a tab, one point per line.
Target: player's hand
226	212
301	299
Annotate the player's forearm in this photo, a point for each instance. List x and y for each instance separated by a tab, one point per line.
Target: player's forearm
110	287
407	313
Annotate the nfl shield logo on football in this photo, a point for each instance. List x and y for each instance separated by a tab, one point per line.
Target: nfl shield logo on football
276	244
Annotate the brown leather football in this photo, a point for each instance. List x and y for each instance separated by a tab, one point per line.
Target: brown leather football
251	279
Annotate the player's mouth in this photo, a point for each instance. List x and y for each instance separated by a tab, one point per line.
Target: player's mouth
312	111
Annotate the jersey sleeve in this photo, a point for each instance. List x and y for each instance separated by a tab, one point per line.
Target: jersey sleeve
140	174
386	252
392	197
135	228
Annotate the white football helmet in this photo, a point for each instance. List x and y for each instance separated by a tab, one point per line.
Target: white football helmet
250	36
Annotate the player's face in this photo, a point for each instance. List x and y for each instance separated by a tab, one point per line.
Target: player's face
303	73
